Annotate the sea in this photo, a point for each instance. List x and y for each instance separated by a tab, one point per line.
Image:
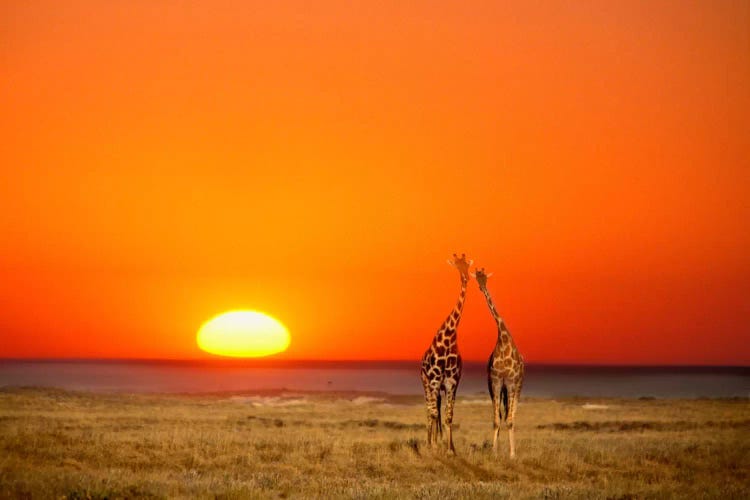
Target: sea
390	377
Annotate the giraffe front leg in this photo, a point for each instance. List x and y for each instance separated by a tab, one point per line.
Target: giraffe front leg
513	397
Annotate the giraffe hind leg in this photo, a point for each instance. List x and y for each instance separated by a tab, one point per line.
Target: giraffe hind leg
510	417
496	417
431	396
432	421
450	400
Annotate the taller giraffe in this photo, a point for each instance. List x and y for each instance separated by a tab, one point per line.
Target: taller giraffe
504	371
441	364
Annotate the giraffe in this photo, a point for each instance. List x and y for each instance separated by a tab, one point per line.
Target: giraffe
441	364
504	371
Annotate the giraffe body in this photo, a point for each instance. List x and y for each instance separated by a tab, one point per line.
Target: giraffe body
442	366
505	372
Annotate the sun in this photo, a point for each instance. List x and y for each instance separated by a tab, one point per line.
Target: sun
243	334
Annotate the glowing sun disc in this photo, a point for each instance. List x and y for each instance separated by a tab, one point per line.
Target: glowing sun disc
243	334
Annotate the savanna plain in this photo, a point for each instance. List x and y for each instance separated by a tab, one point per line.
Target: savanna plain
61	444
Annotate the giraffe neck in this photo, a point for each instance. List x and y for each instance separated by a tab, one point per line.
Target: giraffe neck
491	305
451	322
459	307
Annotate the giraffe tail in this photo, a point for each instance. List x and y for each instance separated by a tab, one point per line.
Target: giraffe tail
504	396
440	417
489	379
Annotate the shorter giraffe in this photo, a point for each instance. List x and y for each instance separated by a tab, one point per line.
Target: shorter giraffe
441	364
504	372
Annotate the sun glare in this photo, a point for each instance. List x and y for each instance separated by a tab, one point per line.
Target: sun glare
243	334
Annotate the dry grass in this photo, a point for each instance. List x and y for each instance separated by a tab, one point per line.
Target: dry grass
79	445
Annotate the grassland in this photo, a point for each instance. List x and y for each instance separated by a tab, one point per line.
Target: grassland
80	445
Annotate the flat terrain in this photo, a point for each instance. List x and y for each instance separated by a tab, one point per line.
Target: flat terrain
55	443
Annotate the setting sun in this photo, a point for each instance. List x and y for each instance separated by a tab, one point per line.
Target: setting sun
243	334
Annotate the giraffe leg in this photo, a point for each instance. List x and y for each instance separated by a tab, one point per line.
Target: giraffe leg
437	426
439	419
450	400
431	398
510	417
432	420
496	414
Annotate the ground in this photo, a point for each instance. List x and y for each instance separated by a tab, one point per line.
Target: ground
62	444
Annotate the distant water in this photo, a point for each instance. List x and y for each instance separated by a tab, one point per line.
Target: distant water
394	377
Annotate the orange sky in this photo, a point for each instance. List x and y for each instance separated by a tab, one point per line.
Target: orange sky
162	162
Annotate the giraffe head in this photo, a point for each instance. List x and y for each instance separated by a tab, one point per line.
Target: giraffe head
461	264
481	277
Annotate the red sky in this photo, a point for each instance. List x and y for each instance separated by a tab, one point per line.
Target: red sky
162	162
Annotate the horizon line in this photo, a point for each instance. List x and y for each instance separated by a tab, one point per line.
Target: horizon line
288	361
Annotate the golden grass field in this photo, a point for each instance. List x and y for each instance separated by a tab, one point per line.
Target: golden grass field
61	444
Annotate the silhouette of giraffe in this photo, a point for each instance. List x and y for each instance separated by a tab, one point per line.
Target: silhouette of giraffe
504	371
441	364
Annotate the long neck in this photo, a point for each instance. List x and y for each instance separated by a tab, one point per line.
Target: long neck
451	322
504	338
491	305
